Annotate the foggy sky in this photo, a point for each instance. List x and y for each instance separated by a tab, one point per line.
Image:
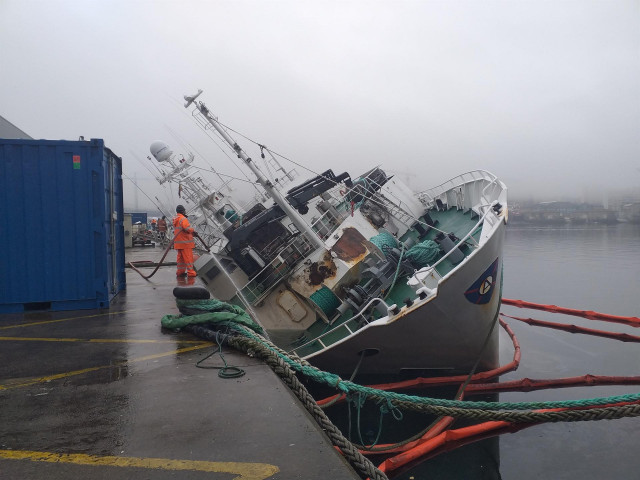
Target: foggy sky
544	94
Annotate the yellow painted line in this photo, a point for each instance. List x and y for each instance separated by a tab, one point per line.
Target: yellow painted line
243	471
96	340
44	322
58	376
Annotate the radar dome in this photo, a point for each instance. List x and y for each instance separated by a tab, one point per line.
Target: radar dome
161	151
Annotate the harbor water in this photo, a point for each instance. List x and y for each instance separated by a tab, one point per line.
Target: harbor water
587	267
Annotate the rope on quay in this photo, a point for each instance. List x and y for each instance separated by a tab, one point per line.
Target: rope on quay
363	465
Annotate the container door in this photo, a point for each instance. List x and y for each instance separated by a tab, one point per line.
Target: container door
114	223
112	227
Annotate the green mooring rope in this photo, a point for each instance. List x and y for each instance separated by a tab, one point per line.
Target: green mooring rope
384	241
442	406
423	254
228	371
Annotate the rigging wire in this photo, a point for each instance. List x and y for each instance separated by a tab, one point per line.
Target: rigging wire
223	150
228	128
170	199
164	206
143	192
144	164
177	137
190	148
225	175
272	152
206	132
230	158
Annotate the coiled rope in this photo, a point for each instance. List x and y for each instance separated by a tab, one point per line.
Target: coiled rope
423	254
227	371
384	241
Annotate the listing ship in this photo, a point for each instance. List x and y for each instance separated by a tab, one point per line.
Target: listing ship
354	273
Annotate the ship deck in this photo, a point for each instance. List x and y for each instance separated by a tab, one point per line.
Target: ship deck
108	394
451	221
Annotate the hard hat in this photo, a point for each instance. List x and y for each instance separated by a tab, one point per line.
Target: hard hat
180	209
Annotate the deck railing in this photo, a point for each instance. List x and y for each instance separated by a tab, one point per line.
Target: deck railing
327	223
261	284
350	330
479	223
429	195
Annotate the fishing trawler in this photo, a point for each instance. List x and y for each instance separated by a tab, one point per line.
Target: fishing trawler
354	272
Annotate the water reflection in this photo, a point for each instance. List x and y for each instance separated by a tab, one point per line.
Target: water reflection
185	281
380	425
476	461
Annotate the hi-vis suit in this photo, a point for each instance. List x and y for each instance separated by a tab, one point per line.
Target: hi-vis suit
184	244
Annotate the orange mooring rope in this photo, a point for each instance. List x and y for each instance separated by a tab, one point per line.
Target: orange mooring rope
452	439
571	328
591	315
440	381
439	439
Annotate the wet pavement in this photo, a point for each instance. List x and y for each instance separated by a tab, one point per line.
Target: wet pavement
108	394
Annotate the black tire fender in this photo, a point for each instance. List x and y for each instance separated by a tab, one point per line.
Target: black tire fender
191	293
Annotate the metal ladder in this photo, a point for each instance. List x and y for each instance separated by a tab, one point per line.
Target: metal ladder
395	210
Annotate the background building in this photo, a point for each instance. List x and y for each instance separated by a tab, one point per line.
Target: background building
9	130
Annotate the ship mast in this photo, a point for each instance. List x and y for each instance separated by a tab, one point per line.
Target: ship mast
296	219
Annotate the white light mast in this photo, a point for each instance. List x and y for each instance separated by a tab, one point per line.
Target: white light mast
297	220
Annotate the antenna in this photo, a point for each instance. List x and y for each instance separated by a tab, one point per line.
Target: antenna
191	99
286	207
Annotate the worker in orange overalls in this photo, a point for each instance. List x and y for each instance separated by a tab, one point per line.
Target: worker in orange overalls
183	243
162	229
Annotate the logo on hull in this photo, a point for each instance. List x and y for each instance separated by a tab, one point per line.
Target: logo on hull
482	289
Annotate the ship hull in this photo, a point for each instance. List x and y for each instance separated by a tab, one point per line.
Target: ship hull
446	332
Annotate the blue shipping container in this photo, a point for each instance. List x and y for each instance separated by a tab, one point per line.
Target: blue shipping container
61	229
138	217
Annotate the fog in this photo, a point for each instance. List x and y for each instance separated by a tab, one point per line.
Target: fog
546	95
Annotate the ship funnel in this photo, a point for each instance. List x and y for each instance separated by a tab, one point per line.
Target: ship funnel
160	151
190	99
